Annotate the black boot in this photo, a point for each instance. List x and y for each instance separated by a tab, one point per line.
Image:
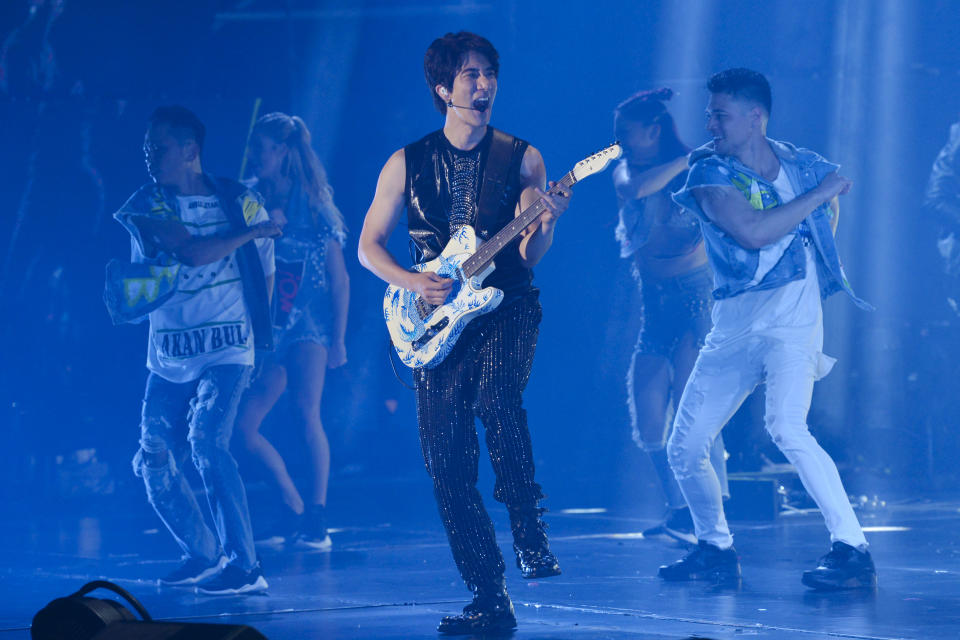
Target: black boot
534	558
490	612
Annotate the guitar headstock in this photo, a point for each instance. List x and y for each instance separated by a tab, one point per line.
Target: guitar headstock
597	162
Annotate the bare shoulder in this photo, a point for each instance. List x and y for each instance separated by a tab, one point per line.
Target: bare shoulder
393	177
388	200
395	163
532	169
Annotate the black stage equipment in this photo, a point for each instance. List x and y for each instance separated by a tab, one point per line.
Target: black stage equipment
77	617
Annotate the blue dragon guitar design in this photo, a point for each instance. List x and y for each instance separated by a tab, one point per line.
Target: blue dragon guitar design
423	334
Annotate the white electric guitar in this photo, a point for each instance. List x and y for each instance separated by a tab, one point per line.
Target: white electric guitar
424	334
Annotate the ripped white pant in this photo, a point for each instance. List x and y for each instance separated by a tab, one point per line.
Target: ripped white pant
724	375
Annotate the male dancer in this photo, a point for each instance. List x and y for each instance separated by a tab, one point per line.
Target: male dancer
439	179
768	212
205	288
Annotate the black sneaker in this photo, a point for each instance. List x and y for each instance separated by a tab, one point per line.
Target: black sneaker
235	581
705	562
679	526
844	567
283	528
313	532
487	614
193	570
534	558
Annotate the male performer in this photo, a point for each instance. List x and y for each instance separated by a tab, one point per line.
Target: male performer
768	211
439	180
205	287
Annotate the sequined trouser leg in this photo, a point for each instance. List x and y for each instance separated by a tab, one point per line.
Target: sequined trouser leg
484	376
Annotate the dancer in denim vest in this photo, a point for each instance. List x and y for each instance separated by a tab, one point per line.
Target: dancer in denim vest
668	260
309	318
768	211
202	272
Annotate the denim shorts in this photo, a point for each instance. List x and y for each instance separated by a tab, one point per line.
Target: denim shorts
674	308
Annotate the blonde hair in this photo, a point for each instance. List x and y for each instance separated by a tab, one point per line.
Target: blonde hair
303	166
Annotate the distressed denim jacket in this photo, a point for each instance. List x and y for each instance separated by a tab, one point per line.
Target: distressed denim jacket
133	289
735	267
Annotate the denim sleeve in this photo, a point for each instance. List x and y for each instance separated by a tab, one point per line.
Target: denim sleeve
943	188
709	172
823	167
147	202
633	227
706	172
340	233
133	289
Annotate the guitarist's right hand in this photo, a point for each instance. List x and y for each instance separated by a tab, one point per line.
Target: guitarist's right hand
431	287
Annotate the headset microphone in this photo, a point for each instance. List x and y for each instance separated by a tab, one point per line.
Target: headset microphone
481	108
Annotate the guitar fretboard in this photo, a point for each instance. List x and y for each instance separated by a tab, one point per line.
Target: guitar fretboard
489	249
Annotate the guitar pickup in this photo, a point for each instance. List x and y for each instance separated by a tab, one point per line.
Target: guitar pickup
431	331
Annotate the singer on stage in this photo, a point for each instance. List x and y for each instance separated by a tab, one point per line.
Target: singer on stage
438	180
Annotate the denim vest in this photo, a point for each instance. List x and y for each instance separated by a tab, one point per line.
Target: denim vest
133	289
734	267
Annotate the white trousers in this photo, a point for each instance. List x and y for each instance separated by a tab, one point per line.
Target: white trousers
724	375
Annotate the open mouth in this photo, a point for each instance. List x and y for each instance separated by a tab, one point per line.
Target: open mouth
481	104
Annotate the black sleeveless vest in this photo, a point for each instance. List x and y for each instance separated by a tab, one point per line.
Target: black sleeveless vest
429	165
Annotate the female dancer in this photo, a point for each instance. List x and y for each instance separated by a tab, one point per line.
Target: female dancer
310	302
669	263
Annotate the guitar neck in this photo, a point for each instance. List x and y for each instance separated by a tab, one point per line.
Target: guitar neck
488	250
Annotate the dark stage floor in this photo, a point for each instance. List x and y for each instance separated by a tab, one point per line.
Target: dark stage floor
390	575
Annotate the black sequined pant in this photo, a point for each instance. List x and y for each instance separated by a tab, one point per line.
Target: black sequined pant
483	376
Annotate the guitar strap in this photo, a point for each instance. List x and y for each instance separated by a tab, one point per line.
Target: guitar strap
494	179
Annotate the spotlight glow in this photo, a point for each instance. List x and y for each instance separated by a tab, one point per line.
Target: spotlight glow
582	511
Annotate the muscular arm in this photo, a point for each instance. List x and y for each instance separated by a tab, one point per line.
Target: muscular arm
381	220
633	186
752	228
537	237
379	223
171	237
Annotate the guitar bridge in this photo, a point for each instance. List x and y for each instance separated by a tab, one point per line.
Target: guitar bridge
424	308
431	331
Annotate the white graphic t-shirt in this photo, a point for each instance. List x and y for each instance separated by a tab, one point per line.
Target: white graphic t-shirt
206	322
791	313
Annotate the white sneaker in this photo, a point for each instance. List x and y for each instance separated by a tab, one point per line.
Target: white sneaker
191	571
235	581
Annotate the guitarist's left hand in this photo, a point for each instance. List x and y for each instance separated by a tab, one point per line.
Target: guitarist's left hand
556	199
